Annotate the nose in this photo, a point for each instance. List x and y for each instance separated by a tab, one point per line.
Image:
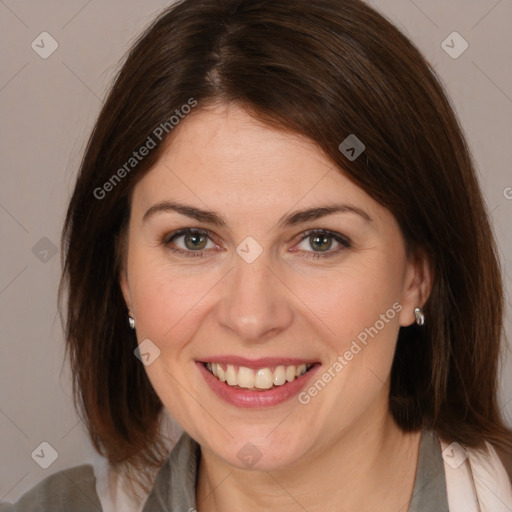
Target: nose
256	304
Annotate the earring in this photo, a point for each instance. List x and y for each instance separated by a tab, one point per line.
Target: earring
131	321
420	316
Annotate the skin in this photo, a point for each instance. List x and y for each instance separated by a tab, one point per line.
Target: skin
324	455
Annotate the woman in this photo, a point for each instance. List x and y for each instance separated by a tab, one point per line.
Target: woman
278	238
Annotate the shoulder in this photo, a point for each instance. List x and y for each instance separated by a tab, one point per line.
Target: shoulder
72	489
490	477
476	475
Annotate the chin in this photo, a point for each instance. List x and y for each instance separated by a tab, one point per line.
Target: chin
260	451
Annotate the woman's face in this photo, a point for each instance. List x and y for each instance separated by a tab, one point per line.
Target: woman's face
255	289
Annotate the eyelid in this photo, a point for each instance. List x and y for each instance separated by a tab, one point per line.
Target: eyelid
186	231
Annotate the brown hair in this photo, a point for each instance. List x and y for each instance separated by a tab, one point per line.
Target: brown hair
323	69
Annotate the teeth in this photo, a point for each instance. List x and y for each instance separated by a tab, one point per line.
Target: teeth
231	375
279	376
245	377
300	370
262	378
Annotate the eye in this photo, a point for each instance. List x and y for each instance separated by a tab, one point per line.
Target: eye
322	241
193	242
189	242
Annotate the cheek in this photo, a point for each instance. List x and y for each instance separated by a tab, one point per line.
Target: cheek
357	315
160	303
168	299
359	302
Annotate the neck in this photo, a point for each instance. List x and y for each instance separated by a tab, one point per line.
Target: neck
380	458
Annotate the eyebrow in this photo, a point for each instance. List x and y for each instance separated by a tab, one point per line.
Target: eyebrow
291	219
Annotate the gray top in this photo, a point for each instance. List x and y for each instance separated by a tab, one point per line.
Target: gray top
73	490
429	493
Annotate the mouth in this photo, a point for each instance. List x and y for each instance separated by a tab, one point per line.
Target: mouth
256	383
257	379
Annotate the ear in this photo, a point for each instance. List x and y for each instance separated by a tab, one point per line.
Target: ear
121	247
125	288
417	287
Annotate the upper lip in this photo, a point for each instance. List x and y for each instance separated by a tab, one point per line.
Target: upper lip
263	362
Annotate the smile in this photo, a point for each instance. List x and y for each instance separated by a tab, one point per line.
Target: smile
262	383
241	377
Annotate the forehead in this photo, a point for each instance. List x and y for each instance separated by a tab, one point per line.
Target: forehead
222	157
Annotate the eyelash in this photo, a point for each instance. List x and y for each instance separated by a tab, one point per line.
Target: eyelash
344	241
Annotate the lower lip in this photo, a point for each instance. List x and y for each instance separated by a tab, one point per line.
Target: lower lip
256	399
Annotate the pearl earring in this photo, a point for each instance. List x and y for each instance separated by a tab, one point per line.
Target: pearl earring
131	321
420	316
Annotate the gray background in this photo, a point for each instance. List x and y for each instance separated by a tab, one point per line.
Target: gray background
48	107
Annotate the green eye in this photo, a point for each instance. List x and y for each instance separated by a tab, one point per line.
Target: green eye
321	241
194	242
